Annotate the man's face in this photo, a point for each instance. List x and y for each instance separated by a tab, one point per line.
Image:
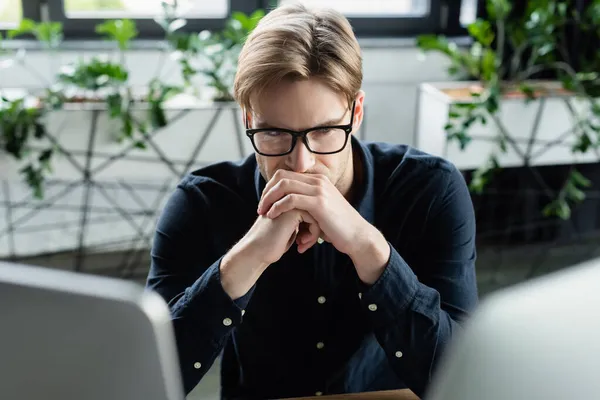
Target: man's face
302	105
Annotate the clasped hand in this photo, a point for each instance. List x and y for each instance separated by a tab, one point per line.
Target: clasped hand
339	223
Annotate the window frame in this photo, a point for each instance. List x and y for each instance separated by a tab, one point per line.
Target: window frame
83	28
444	18
376	27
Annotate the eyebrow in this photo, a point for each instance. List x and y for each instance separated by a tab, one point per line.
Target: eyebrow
331	122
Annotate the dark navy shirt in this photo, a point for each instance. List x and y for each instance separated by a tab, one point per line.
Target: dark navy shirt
309	325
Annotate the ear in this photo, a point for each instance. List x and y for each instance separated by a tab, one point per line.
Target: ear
359	111
246	119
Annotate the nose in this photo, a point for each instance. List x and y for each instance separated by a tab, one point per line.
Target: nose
301	159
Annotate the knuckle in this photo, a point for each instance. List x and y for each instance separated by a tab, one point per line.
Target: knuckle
321	201
284	183
291	199
321	191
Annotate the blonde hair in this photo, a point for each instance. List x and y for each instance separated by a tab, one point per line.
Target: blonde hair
295	42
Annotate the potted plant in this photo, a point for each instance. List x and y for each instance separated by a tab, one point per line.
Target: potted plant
524	96
103	107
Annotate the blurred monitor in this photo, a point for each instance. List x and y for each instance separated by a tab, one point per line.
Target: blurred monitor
536	340
66	335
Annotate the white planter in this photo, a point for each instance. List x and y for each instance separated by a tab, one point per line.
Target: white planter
118	207
178	141
516	115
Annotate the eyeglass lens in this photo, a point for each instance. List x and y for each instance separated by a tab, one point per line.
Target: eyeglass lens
321	141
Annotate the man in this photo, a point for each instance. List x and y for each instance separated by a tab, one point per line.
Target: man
320	264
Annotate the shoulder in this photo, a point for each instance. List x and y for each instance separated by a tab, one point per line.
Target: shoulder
396	164
220	180
234	176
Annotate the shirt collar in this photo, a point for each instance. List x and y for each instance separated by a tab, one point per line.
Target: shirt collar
364	201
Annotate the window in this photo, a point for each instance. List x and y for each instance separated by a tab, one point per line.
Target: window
79	17
369	18
468	12
10	13
373	8
143	8
389	18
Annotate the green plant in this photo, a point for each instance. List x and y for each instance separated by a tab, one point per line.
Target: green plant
509	54
105	80
212	54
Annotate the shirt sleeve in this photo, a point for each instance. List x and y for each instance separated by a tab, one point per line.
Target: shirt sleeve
415	317
185	274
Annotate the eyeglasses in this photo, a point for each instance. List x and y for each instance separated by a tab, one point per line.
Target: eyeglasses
274	142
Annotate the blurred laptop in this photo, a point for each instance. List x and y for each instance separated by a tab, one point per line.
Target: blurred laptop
66	335
536	340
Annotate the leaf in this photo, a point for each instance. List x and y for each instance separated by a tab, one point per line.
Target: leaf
433	43
242	18
545	49
576	194
26	26
498	9
583	143
121	30
527	91
34	178
453	69
44	159
579	179
114	102
481	31
483	175
50	33
39	130
94	74
255	18
176	25
157	115
488	64
462	138
559	208
127	126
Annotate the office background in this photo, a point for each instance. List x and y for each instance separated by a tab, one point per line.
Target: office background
101	200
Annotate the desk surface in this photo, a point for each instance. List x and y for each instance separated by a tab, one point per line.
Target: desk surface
402	394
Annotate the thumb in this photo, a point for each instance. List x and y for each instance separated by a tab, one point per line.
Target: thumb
310	235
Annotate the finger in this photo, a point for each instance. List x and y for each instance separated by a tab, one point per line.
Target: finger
293	237
309	237
281	189
311	179
291	202
310	234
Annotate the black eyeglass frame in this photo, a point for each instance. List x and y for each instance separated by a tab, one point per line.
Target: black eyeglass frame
303	134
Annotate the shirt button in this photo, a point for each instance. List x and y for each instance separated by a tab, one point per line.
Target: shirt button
197	365
398	354
243	312
373	307
227	322
318	393
320	345
360	295
321	299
